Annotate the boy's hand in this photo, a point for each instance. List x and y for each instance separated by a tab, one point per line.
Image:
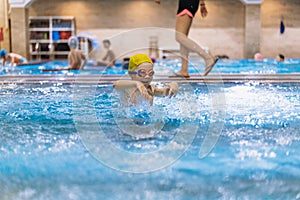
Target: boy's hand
157	1
142	89
173	89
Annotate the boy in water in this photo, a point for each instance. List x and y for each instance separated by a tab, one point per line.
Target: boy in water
110	56
13	58
139	87
76	58
109	59
280	58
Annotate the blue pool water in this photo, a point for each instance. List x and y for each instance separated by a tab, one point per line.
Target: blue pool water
43	156
163	67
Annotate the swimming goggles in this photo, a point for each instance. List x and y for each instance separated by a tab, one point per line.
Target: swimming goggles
143	73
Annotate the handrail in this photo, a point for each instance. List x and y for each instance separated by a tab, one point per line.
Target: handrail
109	79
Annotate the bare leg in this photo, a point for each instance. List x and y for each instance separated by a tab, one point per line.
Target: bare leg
184	61
183	24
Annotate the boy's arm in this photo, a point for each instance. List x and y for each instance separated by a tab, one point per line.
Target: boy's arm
83	57
170	91
70	60
13	61
160	92
3	62
127	84
105	57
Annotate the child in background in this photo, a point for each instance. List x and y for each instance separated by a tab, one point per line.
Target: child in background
141	72
76	58
109	56
109	59
258	57
13	58
280	58
125	63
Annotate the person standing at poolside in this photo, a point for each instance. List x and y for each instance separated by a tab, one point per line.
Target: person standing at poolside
185	14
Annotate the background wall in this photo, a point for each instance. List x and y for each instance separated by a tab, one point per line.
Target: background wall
222	31
4	24
272	42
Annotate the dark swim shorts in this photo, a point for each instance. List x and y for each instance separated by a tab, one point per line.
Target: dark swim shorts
188	7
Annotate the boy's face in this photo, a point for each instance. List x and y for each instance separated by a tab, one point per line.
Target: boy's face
106	45
144	73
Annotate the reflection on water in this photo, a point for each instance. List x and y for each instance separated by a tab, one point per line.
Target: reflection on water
257	155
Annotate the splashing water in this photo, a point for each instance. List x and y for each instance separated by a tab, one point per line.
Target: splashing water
257	156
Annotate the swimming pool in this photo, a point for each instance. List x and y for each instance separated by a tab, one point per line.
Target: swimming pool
164	67
256	156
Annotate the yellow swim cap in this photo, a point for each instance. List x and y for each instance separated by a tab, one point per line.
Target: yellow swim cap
138	59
